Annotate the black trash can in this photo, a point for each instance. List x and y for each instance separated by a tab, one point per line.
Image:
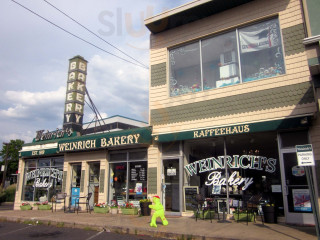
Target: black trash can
269	214
145	210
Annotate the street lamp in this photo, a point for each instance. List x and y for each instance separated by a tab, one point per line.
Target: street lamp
5	164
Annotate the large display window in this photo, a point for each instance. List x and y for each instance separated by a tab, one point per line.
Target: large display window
43	179
241	55
241	166
128	176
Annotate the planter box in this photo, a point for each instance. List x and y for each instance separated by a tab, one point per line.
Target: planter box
44	207
206	214
25	207
129	211
243	216
100	210
114	210
145	210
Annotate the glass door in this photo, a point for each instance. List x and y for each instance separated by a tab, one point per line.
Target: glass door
171	185
296	194
94	174
75	182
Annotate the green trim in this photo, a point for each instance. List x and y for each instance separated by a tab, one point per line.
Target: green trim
234	129
291	95
314	61
64	182
313	7
38	152
158	74
107	140
83	172
152	180
101	180
292	39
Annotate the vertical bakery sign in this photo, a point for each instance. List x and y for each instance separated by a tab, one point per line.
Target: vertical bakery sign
75	94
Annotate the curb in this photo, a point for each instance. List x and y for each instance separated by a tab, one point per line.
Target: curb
113	229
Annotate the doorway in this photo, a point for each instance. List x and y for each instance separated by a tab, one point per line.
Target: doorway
296	194
93	186
171	182
75	182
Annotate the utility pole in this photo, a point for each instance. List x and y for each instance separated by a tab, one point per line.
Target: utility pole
5	164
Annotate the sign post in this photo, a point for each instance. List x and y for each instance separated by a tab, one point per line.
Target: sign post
306	159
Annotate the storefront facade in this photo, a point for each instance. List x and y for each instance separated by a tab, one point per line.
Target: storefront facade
231	95
78	165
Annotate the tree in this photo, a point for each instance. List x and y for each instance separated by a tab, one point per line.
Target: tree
13	155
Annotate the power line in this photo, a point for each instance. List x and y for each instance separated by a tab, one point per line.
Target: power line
93	33
61	28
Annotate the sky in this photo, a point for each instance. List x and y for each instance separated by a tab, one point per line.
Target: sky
34	58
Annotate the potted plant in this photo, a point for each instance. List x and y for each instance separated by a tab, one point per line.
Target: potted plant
100	208
44	206
114	207
25	206
269	213
129	209
243	215
144	206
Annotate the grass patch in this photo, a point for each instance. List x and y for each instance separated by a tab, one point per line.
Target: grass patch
60	224
87	228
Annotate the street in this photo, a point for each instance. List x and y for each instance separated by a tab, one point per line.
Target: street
17	231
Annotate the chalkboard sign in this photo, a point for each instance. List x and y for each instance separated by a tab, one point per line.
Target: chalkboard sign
138	173
189	195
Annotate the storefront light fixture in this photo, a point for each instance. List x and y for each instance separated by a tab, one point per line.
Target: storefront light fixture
304	121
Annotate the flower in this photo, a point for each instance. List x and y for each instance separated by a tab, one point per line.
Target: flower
25	204
100	205
145	200
45	203
128	205
113	204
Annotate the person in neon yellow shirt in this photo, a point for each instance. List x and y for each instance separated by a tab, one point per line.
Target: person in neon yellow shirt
158	212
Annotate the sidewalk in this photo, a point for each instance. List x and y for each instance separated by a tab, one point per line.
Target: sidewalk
178	228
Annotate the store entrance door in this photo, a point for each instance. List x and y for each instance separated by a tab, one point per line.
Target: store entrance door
296	196
93	186
171	185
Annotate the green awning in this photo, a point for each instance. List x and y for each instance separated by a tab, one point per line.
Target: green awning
41	152
235	129
106	140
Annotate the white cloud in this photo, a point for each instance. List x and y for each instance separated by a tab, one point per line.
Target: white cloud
27	104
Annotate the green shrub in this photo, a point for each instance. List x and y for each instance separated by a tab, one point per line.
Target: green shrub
10	193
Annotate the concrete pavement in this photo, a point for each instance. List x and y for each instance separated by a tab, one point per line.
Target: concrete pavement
178	228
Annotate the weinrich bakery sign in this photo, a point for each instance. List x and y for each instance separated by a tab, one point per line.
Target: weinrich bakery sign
215	165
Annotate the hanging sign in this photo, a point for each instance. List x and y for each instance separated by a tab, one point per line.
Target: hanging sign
171	172
305	155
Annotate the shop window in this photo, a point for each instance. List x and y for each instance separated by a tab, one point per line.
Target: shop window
43	179
291	139
220	61
128	178
261	51
253	168
215	62
185	74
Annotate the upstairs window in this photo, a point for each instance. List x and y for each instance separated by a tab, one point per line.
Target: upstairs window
243	55
185	70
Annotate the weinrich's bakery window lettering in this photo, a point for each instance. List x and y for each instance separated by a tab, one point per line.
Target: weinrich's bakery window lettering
43	179
217	168
242	55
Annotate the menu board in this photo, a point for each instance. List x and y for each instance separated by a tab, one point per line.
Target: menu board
189	195
138	173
